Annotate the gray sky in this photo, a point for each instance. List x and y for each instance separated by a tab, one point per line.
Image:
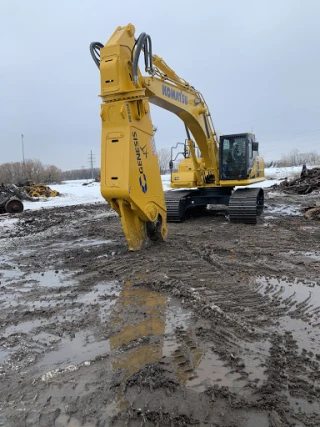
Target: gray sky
257	63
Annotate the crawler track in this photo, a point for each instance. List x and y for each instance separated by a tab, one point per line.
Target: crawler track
175	202
246	205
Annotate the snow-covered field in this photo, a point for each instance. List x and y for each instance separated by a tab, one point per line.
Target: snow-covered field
72	193
75	193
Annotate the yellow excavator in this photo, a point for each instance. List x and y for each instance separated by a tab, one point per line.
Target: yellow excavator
130	174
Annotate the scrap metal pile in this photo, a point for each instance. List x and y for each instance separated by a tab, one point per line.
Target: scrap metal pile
308	182
10	201
37	190
11	205
11	195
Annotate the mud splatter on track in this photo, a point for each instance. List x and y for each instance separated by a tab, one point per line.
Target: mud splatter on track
219	326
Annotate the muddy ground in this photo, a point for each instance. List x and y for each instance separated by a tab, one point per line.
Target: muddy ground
219	326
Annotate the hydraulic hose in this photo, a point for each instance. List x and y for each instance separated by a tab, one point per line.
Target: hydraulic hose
143	43
95	52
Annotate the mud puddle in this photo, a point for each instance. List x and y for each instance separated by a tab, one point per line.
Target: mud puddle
156	333
311	255
213	370
50	278
81	243
258	419
3	355
300	303
105	348
73	351
101	293
302	405
22	328
13	273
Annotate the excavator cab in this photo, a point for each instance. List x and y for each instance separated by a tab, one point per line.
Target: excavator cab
238	154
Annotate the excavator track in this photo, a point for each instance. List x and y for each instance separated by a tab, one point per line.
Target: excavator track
175	203
245	205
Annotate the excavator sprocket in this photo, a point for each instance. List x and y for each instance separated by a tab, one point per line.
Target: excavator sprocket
245	205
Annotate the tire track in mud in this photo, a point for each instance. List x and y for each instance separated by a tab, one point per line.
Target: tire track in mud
230	331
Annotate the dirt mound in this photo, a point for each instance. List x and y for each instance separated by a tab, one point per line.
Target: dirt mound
308	182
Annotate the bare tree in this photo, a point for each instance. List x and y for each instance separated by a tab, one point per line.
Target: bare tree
164	157
295	158
80	173
15	172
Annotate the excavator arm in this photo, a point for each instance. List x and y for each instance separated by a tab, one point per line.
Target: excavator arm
130	174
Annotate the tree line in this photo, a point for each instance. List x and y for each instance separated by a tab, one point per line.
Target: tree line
295	158
35	170
30	169
80	174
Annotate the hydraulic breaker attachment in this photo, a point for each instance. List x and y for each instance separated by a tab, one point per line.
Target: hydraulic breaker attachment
130	173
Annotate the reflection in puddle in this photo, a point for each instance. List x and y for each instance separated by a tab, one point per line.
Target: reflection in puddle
151	307
162	332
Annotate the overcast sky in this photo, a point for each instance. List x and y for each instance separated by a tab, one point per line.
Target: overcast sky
256	62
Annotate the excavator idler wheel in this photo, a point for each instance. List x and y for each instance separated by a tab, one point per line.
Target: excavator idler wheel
14	206
245	205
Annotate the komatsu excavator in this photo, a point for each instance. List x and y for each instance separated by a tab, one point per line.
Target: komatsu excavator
130	173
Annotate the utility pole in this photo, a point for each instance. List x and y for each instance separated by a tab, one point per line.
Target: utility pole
91	162
22	148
